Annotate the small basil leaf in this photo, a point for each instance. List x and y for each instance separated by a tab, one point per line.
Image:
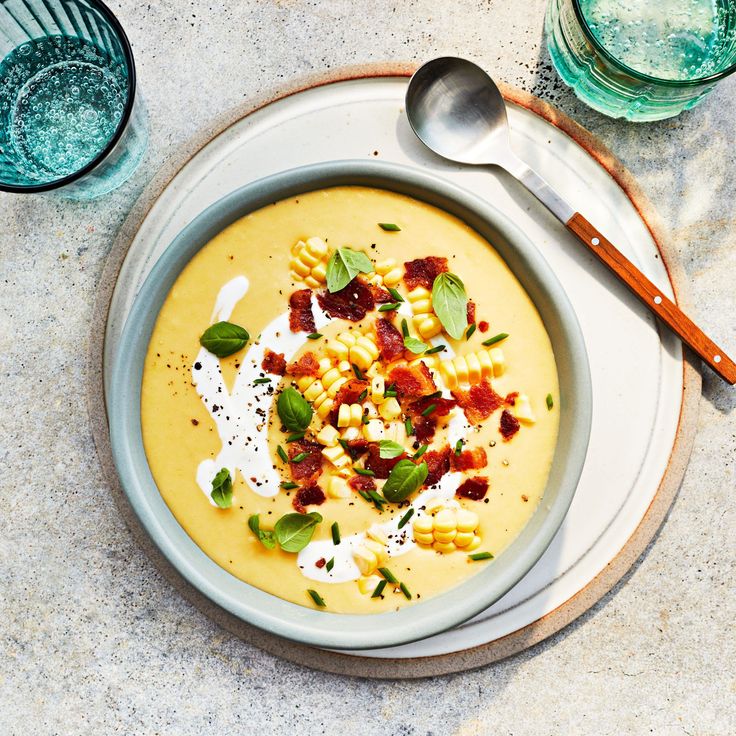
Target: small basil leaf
294	410
222	489
294	531
344	265
267	539
389	448
224	338
404	479
450	304
416	346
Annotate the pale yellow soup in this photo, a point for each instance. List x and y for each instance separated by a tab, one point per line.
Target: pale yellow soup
178	432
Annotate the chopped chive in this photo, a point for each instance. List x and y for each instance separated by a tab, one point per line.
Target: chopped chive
405	591
345	446
470	331
314	336
389	227
330	564
358	372
435	395
395	294
298	458
365	496
480	556
363	394
550	402
317	598
390	392
408	427
294	437
389	307
287	485
436	349
420	452
364	471
459	446
282	454
496	338
365	419
405	518
388	575
261	380
379	501
379	589
404	328
429	410
335	529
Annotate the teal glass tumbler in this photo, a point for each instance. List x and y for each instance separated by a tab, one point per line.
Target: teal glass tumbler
638	59
71	119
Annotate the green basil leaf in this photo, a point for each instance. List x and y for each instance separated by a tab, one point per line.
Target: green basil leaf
222	489
416	346
294	531
294	410
224	338
404	479
344	265
389	448
267	539
450	304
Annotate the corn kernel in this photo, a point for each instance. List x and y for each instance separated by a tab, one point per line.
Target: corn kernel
383	267
373	430
368	585
467	521
474	544
343	415
434	504
445	537
297	247
356	415
474	372
449	374
366	561
314	390
336	386
334	454
324	409
372	370
304	382
317	247
486	364
300	268
378	549
344	366
319	273
309	258
444	547
311	282
328	436
375	279
347	338
418	293
429	327
523	409
338	349
294	276
444	521
323	365
332	375
390	409
346	471
365	342
393	276
426	539
378	388
338	488
499	361
423	524
361	357
463	539
350	433
461	369
376	533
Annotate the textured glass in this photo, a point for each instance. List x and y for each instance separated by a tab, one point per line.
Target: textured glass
69	117
642	59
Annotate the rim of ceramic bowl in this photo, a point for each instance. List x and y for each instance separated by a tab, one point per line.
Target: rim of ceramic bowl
122	125
717	76
265	610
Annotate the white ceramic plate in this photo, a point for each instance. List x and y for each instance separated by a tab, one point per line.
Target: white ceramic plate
637	368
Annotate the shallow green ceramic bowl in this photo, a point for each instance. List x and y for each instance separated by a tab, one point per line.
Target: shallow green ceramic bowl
303	624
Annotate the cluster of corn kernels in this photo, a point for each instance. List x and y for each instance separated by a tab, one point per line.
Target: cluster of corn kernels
473	367
387	273
447	529
354	347
426	322
321	390
371	553
309	262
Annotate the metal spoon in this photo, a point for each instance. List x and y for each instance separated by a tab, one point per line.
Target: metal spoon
457	110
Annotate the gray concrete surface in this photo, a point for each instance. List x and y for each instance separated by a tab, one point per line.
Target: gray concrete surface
94	641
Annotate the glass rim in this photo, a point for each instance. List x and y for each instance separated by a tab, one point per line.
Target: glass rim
640	75
122	125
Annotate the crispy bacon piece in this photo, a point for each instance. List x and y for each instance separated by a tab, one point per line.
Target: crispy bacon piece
348	393
442	407
412	381
380	295
423	271
473	459
424	429
510	399
478	402
473	488
310	468
352	302
358	447
438	463
380	466
306	365
483	326
509	425
471	311
362	483
301	318
274	363
390	341
308	495
321	562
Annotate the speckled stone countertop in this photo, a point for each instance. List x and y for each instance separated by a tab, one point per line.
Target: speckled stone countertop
93	640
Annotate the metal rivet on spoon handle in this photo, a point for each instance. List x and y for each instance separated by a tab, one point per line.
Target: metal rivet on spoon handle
457	110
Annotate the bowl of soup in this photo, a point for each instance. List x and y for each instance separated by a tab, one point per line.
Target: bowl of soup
351	404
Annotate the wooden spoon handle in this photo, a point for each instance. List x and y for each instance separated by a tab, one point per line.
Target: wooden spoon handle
653	298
